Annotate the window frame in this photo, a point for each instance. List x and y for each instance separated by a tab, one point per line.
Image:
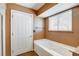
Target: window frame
59	26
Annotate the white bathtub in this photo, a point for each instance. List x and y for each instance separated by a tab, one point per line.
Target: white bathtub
45	47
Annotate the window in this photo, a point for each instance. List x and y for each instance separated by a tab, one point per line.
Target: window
61	22
38	24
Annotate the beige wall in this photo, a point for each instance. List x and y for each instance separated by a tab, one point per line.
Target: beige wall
38	35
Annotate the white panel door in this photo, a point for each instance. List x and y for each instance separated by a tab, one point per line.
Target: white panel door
21	32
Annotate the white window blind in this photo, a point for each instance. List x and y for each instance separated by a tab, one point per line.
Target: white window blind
61	22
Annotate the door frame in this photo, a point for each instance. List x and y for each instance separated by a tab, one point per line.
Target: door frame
9	7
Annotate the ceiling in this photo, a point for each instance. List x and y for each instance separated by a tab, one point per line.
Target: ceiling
57	9
51	11
35	6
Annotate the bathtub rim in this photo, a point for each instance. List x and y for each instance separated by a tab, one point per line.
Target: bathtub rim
46	49
68	47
